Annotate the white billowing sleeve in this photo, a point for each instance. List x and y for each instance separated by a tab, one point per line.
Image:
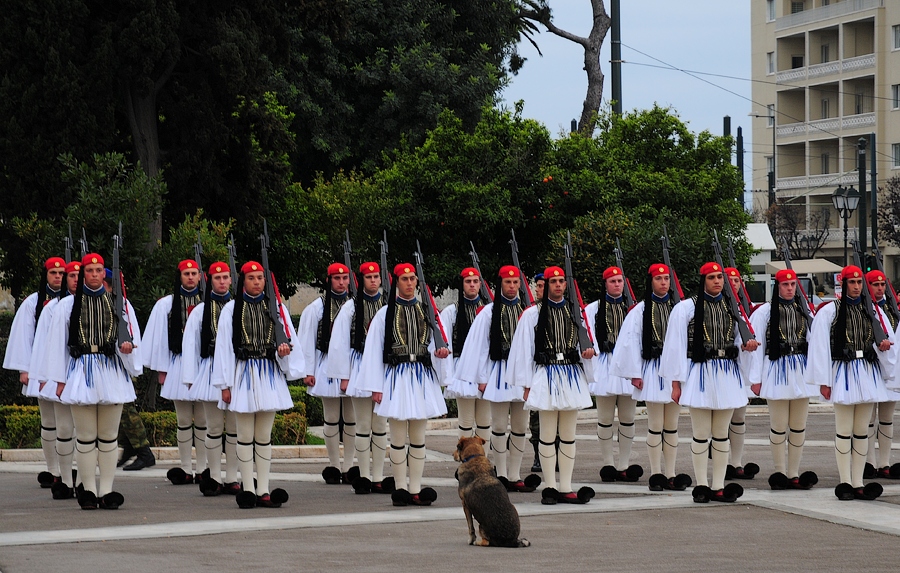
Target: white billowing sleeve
674	363
474	364
21	336
339	346
190	345
224	361
156	336
371	370
520	365
627	361
133	361
753	363
818	361
307	332
39	348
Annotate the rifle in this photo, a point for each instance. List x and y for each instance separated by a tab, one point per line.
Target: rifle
198	256
878	328
385	273
742	292
69	245
677	293
890	294
737	312
485	292
118	283
84	244
273	299
431	314
808	308
232	256
576	304
347	252
629	294
524	288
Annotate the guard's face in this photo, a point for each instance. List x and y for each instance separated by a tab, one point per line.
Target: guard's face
72	281
510	286
660	285
615	285
557	286
94	275
220	282
371	283
406	286
55	277
713	283
471	285
190	278
735	282
878	289
340	283
539	289
854	287
254	283
787	289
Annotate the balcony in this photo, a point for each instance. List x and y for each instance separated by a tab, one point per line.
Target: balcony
826	182
828	68
859	120
826	12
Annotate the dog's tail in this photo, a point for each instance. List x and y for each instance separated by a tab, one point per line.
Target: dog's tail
524	543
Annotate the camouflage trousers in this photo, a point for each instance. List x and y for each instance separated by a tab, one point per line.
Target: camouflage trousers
131	428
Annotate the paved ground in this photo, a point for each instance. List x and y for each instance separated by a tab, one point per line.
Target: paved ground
328	528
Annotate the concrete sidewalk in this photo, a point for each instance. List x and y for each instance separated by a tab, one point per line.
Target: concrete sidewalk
328	528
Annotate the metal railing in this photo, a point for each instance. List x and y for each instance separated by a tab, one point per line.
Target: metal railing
826	12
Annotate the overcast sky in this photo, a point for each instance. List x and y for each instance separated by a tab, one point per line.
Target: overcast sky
708	36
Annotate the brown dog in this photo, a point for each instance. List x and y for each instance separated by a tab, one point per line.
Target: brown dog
484	498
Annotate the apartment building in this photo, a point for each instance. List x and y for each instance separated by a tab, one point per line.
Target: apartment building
826	72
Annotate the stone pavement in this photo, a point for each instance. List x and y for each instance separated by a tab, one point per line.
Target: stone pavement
328	528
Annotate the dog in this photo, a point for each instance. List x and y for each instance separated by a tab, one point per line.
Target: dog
484	498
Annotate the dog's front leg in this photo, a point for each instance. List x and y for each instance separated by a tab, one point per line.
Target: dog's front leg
469	523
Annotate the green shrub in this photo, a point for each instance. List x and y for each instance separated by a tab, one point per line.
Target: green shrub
20	426
161	427
289	429
312	405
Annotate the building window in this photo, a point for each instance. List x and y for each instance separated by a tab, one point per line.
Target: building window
826	2
770	10
825	166
825	108
825	57
895	152
896	34
796	62
895	96
796	7
863	102
770	111
770	63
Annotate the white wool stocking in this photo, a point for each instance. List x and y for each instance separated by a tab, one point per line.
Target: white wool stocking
48	435
65	440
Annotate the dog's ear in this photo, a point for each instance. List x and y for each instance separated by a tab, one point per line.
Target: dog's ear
482	440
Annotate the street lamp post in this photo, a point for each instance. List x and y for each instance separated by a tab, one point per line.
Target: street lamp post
845	201
771	174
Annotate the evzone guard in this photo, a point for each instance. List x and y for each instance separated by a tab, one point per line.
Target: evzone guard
484	362
345	352
164	337
314	331
777	372
605	317
637	359
198	355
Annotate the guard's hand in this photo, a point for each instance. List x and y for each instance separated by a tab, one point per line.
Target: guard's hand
344	383
226	395
41	385
676	391
310	380
588	354
377	396
284	349
825	391
751	345
482	387
638	383
885	345
59	389
23	378
442	352
162	378
525	395
126	348
755	388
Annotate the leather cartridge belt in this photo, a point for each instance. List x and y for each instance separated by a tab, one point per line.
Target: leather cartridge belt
849	355
397	359
247	354
730	353
548	358
801	347
79	350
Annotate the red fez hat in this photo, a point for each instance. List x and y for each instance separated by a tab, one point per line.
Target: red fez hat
658	269
551	272
785	275
509	271
338	269
369	268
612	272
219	267
732	272
710	267
403	269
251	266
92	259
469	272
188	264
54	263
73	267
874	276
851	272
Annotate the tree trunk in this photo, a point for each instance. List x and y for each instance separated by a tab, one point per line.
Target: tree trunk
142	119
